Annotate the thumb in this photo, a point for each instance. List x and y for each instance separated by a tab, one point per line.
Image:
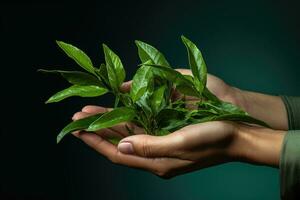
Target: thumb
151	146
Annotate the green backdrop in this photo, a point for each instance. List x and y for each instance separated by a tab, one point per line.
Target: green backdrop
253	45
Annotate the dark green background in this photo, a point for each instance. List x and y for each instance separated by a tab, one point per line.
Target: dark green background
253	45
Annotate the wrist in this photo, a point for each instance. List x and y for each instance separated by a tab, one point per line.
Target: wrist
257	145
239	98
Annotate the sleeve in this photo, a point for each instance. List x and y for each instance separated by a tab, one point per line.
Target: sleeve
290	152
292	105
290	166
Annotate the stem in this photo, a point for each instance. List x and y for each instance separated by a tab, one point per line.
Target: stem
117	101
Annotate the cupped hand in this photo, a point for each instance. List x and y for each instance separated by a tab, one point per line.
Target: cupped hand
190	148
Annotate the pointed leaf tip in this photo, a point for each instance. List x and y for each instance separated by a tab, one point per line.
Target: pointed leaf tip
79	56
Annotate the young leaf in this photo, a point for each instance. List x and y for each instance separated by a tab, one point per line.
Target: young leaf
78	90
182	84
75	77
115	70
80	124
114	140
109	119
147	52
169	119
78	56
140	82
157	99
230	108
197	64
210	96
102	72
242	118
144	103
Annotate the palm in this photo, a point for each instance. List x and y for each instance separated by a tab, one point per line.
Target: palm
192	147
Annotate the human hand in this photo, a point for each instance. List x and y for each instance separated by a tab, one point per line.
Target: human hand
190	148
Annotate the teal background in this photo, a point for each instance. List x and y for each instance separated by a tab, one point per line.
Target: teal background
253	45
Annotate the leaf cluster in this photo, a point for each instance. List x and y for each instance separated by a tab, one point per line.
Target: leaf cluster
149	102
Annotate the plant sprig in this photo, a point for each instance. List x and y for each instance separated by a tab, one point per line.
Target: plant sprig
148	103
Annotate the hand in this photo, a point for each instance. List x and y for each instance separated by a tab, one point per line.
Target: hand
190	148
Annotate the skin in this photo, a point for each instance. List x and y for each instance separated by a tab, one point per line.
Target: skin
200	145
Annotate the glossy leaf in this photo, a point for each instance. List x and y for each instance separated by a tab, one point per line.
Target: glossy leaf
157	99
196	63
80	124
77	90
144	103
170	119
102	72
140	82
184	85
242	118
78	56
76	77
109	119
114	66
210	96
147	52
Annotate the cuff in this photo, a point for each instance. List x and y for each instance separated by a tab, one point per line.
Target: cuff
290	166
292	105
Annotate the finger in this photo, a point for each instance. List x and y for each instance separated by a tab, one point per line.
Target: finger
165	167
80	115
126	86
111	152
152	146
185	71
95	109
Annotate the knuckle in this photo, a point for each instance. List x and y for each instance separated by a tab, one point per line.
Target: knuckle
163	172
146	148
164	175
114	158
86	108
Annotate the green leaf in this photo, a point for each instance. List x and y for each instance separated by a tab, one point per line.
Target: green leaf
114	140
102	72
157	99
109	119
80	124
78	56
144	102
197	64
161	132
210	96
147	52
184	85
78	90
140	82
242	118
115	70
230	108
171	119
76	77
189	77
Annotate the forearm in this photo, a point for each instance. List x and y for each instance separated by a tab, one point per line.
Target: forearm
270	109
258	145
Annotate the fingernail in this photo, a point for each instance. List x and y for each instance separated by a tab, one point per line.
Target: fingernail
126	147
